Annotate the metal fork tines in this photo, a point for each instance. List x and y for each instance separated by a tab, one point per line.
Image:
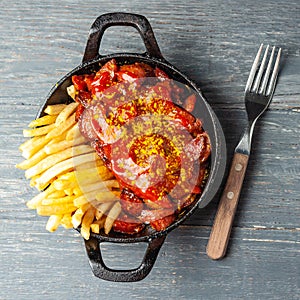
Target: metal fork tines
261	86
258	94
259	91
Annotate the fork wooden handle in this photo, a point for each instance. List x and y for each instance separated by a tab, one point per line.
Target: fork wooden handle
219	237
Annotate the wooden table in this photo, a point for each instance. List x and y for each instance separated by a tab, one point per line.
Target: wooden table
214	43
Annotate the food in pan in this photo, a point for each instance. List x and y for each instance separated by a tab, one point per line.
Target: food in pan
127	153
155	148
57	156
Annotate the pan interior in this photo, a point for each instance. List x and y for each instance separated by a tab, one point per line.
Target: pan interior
58	94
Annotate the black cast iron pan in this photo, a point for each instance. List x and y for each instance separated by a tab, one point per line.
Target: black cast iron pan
152	56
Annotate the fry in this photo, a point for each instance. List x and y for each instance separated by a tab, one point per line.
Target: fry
37	200
61	185
53	222
32	182
55	201
65	113
68	192
86	175
54	109
58	209
57	139
66	221
100	185
62	167
92	175
107	196
29	142
83	199
53	159
36	158
79	140
34	147
71	91
56	131
82	159
73	133
112	216
77	216
102	209
79	201
90	165
86	223
77	191
45	120
57	147
97	225
38	131
95	228
70	176
56	194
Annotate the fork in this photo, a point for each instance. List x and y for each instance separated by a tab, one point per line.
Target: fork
258	95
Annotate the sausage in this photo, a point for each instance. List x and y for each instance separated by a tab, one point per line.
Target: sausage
127	225
147	165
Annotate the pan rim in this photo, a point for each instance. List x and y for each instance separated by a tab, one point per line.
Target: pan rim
218	160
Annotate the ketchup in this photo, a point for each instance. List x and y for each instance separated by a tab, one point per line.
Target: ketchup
153	146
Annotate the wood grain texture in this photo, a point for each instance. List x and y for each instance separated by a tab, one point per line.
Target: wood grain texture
212	41
221	229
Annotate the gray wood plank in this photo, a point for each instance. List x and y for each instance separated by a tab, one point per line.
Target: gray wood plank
259	264
200	41
214	43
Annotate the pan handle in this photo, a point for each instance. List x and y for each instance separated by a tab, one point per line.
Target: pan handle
102	271
121	19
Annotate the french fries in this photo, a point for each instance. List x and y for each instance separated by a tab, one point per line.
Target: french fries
38	131
45	120
52	160
112	216
54	109
87	221
75	188
53	222
65	113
